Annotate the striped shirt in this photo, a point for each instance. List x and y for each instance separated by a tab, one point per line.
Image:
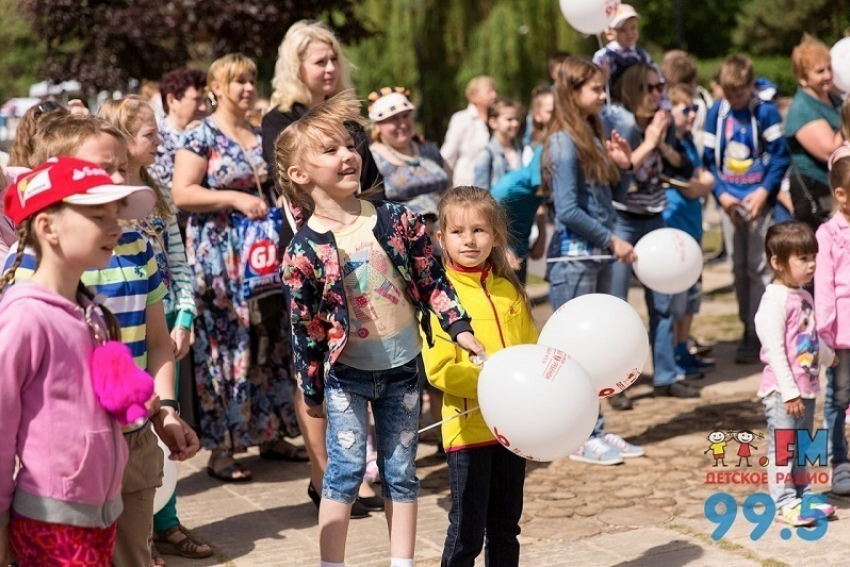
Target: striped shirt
129	284
170	253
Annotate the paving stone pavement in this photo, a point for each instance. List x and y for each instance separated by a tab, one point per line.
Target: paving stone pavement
646	512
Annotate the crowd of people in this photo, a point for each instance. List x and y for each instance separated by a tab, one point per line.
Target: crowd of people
318	272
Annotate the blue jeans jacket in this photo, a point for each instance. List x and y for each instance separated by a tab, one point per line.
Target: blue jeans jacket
582	210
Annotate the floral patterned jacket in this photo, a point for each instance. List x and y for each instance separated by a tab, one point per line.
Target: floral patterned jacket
311	269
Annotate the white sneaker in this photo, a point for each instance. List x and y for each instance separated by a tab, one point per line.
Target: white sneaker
841	479
595	451
626	449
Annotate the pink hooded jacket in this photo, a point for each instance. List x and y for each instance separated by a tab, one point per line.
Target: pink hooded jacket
72	452
832	282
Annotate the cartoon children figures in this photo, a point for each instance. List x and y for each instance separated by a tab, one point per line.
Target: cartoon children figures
718	441
745	439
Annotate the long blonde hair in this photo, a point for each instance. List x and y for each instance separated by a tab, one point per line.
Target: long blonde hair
325	120
126	115
586	133
288	86
465	197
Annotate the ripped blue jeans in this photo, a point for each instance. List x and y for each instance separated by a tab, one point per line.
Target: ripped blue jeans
394	396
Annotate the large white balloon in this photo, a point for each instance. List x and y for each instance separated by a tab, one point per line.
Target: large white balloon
840	54
669	260
169	480
537	401
605	335
589	16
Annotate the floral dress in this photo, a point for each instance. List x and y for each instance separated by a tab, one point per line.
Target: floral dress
418	183
242	403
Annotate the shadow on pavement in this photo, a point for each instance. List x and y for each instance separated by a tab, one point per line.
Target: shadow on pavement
264	472
264	524
704	419
674	553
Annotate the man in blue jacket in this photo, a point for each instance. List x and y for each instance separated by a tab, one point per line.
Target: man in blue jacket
746	152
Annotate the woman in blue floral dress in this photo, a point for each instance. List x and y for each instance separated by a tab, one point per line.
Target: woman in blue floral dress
242	369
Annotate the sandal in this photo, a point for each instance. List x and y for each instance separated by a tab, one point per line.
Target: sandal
289	453
156	557
233	472
186	547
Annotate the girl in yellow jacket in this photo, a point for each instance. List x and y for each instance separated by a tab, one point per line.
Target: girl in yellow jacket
486	479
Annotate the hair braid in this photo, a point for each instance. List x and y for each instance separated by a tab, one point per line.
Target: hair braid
24	236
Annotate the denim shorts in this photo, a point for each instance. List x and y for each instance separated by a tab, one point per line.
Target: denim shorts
394	396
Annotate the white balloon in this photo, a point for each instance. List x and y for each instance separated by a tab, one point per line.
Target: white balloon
605	335
537	401
169	480
840	54
669	260
589	16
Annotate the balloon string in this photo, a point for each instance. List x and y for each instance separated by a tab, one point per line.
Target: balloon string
580	258
432	426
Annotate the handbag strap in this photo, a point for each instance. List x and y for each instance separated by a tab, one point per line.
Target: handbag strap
247	158
813	206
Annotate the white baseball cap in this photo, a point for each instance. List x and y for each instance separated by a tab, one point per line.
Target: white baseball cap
624	12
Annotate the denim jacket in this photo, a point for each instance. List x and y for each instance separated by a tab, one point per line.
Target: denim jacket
320	325
584	213
490	165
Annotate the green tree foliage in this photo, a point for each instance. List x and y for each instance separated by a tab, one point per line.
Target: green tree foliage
104	43
435	47
707	25
774	27
21	55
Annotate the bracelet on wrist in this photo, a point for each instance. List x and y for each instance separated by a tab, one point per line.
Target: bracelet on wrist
173	404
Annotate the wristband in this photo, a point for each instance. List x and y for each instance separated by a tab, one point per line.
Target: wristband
185	319
173	404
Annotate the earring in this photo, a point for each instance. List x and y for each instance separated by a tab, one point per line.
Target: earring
211	98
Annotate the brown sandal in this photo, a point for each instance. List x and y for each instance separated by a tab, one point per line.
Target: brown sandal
156	557
186	547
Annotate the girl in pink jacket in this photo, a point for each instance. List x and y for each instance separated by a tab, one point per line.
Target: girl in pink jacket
58	415
793	354
832	308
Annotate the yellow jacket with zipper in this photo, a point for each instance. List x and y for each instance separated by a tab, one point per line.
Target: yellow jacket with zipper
500	318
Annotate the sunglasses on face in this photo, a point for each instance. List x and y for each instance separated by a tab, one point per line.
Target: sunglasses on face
689	109
657	87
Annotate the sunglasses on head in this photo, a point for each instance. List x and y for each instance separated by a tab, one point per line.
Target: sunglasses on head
46	106
657	87
689	109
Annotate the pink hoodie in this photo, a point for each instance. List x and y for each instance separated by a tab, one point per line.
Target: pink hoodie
72	452
832	282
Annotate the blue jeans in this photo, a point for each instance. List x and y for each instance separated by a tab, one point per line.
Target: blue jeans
777	418
394	396
568	280
835	405
487	484
631	228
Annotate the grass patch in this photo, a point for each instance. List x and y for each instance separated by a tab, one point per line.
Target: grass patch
531	279
725	327
712	242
